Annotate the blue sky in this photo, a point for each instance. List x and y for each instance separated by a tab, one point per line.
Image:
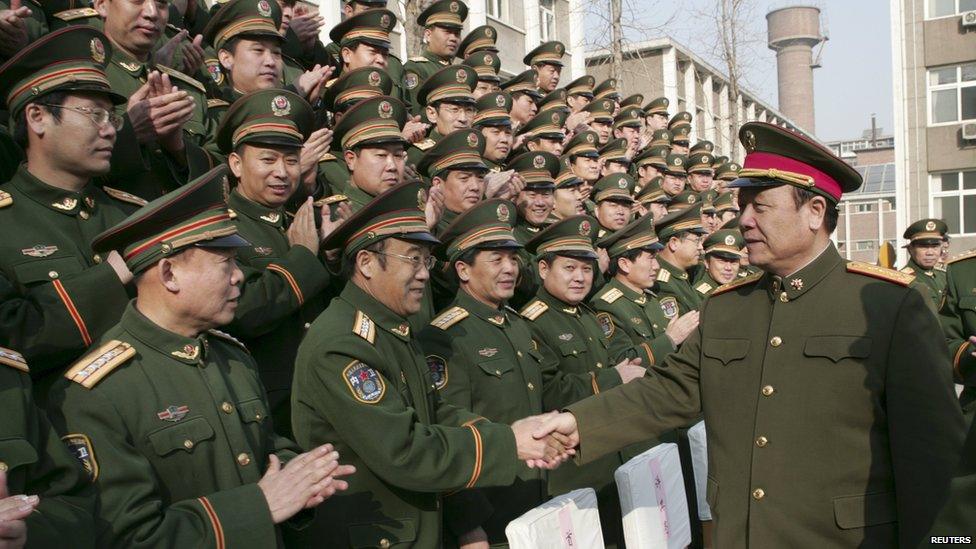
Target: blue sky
853	82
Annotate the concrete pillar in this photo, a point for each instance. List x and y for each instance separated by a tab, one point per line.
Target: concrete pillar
793	32
709	97
532	31
691	97
724	116
669	63
477	13
576	46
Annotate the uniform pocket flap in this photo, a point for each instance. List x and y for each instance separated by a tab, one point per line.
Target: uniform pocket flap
253	410
838	347
572	348
182	436
386	533
865	510
968	303
725	350
497	367
46	270
17	452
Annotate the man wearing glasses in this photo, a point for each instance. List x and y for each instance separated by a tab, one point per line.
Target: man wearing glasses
681	233
56	295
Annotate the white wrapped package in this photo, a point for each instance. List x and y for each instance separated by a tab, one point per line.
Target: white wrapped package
652	500
569	521
699	461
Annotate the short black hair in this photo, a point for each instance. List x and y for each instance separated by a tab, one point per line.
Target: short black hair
349	262
614	268
802	196
56	98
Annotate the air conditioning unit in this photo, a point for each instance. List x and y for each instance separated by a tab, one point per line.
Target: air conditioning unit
969	131
969	18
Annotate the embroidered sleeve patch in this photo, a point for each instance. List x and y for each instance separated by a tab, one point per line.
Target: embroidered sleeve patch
437	367
366	384
670	307
80	446
606	324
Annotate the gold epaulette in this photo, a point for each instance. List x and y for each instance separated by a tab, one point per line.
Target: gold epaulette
331	200
611	295
419	59
328	83
364	327
327	157
908	270
182	77
13	359
664	275
534	309
953	259
449	318
5	199
736	283
125	197
94	366
940	267
213	103
71	15
227	337
880	273
703	288
425	144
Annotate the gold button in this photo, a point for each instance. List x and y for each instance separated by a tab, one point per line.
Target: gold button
97	259
762	441
758	494
52	274
498	372
308	325
188	444
3	467
227	407
590	338
768	390
783	297
531	387
83	214
575	352
258	417
776	341
599	365
518	353
243	459
655	326
384	543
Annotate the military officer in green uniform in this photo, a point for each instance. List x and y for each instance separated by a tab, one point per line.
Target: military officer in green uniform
167	415
57	296
958	316
727	172
698	166
656	114
614	199
614	157
607	90
848	342
627	125
555	101
495	125
681	233
579	93
394	66
534	205
601	119
361	369
544	133
487	65
363	40
442	22
680	128
652	200
448	106
46	497
726	207
546	60
925	238
584	159
567	199
478	39
675	175
722	252
524	97
650	163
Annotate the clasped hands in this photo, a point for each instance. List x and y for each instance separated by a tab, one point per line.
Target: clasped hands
547	440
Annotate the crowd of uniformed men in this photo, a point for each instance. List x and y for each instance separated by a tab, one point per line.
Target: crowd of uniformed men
412	262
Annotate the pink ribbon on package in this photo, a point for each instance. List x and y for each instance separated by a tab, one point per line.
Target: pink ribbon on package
566	532
660	495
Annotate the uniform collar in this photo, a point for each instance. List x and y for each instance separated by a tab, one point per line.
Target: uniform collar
358	196
436	58
558	304
181	348
793	286
447	217
54	198
268	216
639	298
496	317
919	269
380	314
131	65
675	271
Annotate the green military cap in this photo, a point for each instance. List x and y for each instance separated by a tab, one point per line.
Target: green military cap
707	199
458	150
567	177
582	144
554	101
926	231
493	110
523	82
195	214
453	83
719	160
444	13
658	105
675	164
777	156
731	223
371	27
682	118
370	3
656	156
684	200
397	213
699	162
66	60
653	192
616	187
725	243
549	53
479	39
374	121
258	18
660	137
728	171
354	86
488	225
679	221
571	237
632	100
725	202
581	86
537	168
601	110
681	134
615	151
702	145
636	235
629	117
606	89
486	64
546	124
266	117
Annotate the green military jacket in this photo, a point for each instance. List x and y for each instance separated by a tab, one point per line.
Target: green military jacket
933	281
958	317
959	513
281	294
637	314
415	71
415	151
828	402
37	463
56	296
362	384
674	291
175	433
704	284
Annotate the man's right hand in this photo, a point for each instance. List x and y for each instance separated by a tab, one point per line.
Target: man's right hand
560	425
157	111
630	369
302	231
681	327
414	131
13	511
13	29
305	482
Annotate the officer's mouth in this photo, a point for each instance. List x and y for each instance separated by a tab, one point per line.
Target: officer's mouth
279	190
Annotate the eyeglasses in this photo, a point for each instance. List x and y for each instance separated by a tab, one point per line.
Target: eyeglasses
427	261
100	117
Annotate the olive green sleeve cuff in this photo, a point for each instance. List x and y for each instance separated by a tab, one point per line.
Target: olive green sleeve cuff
239	517
304	272
963	363
660	347
605	379
496	462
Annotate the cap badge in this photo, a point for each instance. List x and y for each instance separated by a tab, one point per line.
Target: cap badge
729	240
749	141
385	20
589	138
555	118
607	106
487	59
489	32
384	109
461	75
622	182
264	8
97	50
502	212
612	82
421	199
472	140
585	227
930	226
539	161
692	198
455	7
280	106
707	159
500	100
664	101
678	161
559	49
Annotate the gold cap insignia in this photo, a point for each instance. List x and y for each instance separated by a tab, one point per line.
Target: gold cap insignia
384	109
264	8
374	79
539	161
729	240
280	106
461	75
454	7
622	182
97	50
585	227
472	140
500	100
502	212
930	226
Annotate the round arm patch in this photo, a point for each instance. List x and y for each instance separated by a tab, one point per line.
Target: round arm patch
366	384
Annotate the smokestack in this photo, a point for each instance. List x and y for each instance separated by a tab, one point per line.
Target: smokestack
874	130
792	34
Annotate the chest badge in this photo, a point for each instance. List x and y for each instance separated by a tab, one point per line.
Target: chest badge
262	250
565	337
272	217
173	413
39	251
66	204
188	352
488	352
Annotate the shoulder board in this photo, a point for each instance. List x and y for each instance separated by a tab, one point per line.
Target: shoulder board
940	267
534	310
214	103
880	273
364	327
703	288
449	318
907	270
125	197
420	59
328	83
736	283
227	337
612	295
71	15
664	275
331	200
953	259
327	157
13	359
425	144
182	77
5	199
94	366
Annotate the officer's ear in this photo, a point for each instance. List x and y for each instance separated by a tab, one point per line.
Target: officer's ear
350	157
34	117
817	206
543	267
236	164
673	243
428	31
346	54
366	264
624	265
165	272
463	271
431	113
226	59
101	6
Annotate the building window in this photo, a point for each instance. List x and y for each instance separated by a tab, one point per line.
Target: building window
547	20
952	94
947	8
497	9
862	207
954	200
864	245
